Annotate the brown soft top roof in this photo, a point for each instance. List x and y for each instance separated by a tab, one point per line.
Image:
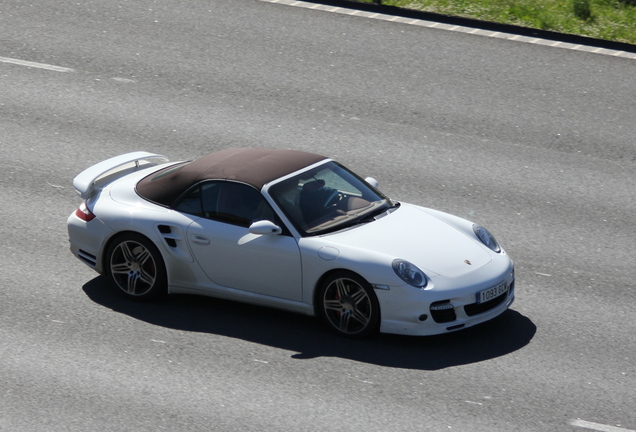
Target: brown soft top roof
254	166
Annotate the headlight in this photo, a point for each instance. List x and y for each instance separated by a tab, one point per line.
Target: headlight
409	273
486	238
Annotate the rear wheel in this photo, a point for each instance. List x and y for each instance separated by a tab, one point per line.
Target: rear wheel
135	267
348	305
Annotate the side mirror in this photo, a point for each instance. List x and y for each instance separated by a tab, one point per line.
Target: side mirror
373	182
265	227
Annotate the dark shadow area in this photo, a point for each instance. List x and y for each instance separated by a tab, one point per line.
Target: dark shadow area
307	336
473	23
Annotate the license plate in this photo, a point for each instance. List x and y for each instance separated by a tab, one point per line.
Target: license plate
491	293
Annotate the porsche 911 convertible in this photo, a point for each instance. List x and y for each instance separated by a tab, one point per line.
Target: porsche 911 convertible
291	230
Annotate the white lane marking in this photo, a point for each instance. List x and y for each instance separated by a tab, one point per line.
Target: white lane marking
125	80
597	426
35	65
432	24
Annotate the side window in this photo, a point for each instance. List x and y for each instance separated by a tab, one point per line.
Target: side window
242	205
209	198
229	202
191	202
201	200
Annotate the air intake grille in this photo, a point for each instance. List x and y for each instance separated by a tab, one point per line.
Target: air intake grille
443	311
89	259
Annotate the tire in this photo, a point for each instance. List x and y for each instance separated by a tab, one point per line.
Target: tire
135	267
348	305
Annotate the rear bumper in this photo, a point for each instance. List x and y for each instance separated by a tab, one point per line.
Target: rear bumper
87	240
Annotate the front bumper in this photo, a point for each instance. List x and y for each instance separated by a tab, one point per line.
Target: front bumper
420	313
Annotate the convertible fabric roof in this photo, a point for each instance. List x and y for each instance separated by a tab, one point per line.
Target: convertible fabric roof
254	166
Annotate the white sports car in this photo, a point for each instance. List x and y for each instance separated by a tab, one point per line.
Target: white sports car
291	230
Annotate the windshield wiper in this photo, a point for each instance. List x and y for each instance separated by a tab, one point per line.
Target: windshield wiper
389	205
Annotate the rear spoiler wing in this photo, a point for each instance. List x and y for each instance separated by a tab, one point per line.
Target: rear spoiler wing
91	178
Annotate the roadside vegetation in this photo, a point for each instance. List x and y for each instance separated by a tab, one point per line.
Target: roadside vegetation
613	20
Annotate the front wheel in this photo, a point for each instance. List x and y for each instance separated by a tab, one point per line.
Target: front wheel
348	305
135	266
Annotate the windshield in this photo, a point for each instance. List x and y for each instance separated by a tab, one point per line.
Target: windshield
327	198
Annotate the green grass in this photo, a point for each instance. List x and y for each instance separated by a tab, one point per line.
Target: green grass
613	20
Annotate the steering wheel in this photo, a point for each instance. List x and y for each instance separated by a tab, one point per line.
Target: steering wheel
333	198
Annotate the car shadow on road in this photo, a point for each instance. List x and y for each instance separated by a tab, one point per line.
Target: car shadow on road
310	339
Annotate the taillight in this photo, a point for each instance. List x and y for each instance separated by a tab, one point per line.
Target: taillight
84	213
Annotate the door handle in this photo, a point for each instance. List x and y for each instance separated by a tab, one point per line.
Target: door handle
199	239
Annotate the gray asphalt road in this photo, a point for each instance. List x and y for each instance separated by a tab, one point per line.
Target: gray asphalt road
533	142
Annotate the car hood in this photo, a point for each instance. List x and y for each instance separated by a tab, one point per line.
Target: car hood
413	234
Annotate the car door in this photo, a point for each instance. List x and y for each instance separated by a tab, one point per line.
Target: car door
229	254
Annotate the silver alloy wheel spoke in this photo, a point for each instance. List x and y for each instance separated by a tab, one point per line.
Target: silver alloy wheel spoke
347	306
142	257
126	252
360	317
133	268
334	305
122	268
341	287
344	321
146	277
358	296
132	283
